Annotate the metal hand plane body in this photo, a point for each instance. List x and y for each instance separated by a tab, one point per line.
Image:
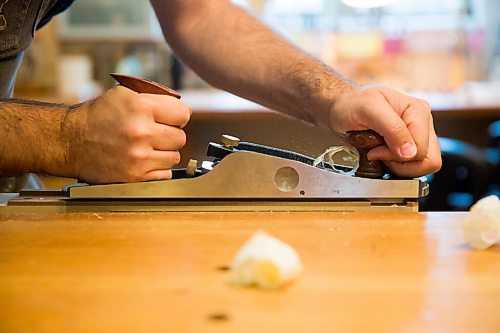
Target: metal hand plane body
252	171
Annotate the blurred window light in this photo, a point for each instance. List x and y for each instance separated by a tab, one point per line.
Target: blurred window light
418	45
367	3
427	6
346	14
283	7
294	7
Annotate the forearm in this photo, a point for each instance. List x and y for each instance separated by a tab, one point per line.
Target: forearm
31	138
234	51
121	136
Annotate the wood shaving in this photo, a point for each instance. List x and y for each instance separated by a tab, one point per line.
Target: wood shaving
350	159
482	226
265	262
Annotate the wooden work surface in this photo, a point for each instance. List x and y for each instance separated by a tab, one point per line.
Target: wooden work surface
164	272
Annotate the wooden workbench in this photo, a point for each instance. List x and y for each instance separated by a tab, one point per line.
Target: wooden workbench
165	272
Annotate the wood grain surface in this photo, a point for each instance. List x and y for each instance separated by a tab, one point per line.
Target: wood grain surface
165	272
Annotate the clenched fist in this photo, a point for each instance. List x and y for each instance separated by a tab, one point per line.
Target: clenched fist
124	136
405	123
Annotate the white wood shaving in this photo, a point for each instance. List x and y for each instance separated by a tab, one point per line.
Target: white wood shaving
351	159
482	226
266	262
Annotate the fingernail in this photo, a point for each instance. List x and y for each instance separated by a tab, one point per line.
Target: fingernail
408	150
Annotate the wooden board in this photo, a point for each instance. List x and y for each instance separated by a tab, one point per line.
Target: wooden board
164	272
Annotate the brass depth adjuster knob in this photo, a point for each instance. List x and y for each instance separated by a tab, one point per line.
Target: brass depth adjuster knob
229	141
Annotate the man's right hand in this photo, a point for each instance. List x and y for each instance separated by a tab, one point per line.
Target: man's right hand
405	122
124	136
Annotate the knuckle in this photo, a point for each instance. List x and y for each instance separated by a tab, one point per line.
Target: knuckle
121	93
137	132
175	137
436	165
184	116
118	90
141	103
175	158
136	157
181	139
167	175
425	106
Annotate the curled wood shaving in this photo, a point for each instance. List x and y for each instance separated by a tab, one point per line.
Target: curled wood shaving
349	159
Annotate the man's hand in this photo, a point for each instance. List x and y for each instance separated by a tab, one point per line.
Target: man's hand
241	55
404	122
124	136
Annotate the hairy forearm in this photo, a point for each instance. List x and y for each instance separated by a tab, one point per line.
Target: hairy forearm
234	51
31	137
121	136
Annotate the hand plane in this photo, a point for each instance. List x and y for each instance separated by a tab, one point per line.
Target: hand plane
244	176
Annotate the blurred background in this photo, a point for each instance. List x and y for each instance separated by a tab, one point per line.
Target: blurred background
447	52
414	45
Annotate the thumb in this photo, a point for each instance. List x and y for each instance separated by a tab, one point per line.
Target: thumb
385	121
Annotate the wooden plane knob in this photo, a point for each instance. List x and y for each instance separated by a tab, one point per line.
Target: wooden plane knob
364	141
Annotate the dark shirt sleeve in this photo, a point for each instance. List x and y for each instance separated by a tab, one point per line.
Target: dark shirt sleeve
56	8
